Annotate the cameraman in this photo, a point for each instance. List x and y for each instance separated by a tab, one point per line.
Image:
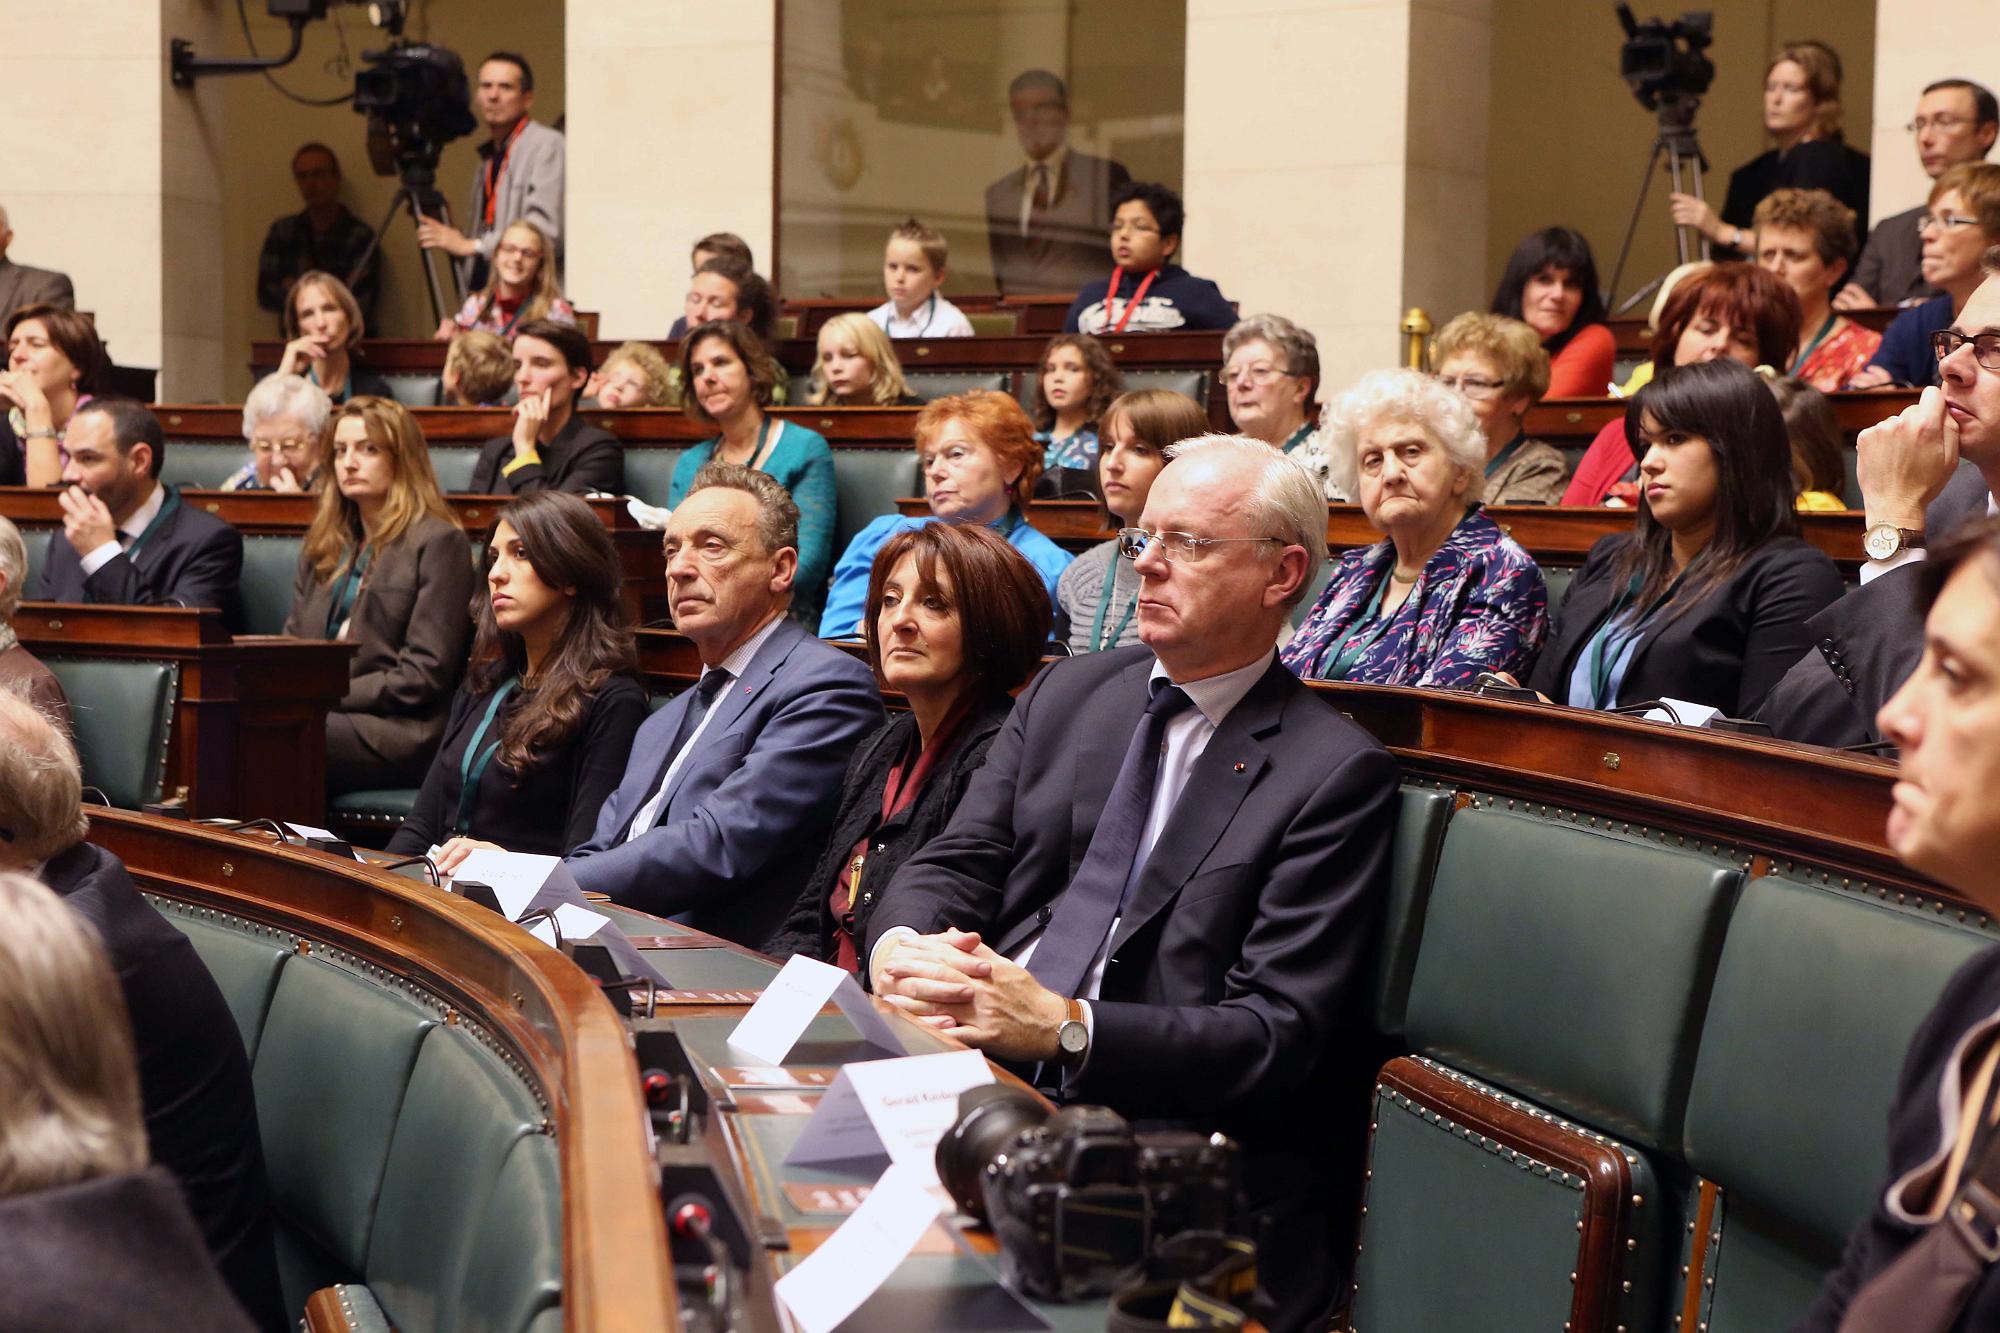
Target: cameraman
520	172
1802	115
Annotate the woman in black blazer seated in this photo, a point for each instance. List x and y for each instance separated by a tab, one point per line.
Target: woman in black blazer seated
1707	597
538	737
385	565
956	619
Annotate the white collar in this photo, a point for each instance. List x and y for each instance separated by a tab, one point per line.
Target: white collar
739	661
1054	162
1217	696
145	513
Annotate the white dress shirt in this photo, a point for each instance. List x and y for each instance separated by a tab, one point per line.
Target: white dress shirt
1053	165
131	528
735	664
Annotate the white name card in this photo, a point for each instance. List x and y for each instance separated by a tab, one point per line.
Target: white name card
831	1283
794	998
890	1110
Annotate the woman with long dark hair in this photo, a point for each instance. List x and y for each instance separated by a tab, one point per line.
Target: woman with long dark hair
1551	286
538	737
1707	598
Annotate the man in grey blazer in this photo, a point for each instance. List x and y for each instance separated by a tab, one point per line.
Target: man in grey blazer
731	788
1047	220
21	286
520	175
1956	122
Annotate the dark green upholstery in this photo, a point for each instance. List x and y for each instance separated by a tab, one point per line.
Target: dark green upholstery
1571	966
385	807
931	385
513	1281
1305	604
122	714
459	1121
649	473
869	482
1188	383
203	464
37	542
244	962
415	390
1760	1276
453	464
1557	578
270	564
1419	837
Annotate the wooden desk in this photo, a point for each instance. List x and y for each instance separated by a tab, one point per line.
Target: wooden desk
1635	341
249	732
1574	422
636	428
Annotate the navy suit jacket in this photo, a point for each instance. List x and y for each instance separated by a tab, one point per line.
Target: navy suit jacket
751	805
192	559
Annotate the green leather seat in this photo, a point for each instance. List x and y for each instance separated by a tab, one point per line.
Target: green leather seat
270	566
453	464
931	385
1188	383
1557	579
1815	1000
415	390
122	714
1570	966
244	961
1419	838
459	1121
37	542
373	815
869	482
204	465
649	473
513	1280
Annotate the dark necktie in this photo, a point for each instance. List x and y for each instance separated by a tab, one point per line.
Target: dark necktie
705	691
1084	915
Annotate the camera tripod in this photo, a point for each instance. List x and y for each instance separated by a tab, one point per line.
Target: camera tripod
1686	162
416	193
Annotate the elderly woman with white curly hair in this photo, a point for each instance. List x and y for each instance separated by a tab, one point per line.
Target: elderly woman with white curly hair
284	419
1447	595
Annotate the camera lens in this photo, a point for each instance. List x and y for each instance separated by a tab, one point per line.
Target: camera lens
990	1117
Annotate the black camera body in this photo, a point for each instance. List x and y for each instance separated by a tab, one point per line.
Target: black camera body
1663	61
1080	1202
417	100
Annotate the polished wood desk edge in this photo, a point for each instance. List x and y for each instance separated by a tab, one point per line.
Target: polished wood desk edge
264	512
616	1269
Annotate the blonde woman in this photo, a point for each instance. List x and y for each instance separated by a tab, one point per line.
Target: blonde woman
522	288
385	565
857	367
323	325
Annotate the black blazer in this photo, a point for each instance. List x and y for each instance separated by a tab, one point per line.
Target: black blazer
581	458
1233	998
554	808
192	559
1866	644
194	1079
1970	997
810	928
1727	651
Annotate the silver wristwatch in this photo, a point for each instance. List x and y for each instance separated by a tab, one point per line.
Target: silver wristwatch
1073	1035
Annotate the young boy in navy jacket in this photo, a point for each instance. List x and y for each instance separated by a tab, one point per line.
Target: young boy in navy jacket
1147	292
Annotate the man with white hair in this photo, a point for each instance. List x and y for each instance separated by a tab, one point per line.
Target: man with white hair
21	286
194	1078
1181	934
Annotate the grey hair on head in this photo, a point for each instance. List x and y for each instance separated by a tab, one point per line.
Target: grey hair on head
293	396
1285	500
13	568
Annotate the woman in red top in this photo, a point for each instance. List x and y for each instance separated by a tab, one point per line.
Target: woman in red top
1737	311
1551	285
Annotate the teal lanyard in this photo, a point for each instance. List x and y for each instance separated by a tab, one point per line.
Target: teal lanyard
1499	460
167	506
1098	642
472	764
1805	353
1298	437
1610	642
347	593
1363	634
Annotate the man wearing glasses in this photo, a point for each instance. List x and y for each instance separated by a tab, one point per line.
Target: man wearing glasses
1923	473
1159	893
1956	122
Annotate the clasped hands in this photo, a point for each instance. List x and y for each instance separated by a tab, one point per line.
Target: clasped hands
953	983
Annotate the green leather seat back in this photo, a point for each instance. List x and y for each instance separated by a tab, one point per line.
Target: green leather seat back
1760	1277
513	1282
203	464
459	1120
415	390
1187	383
869	482
244	962
37	542
331	1071
1570	966
270	564
453	464
1557	578
121	717
1419	837
1816	998
649	473
931	385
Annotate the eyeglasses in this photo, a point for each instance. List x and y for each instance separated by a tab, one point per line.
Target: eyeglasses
1182	547
1949	221
1985	347
1472	386
1256	376
1945	123
278	446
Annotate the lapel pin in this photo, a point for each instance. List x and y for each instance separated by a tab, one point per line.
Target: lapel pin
1239	767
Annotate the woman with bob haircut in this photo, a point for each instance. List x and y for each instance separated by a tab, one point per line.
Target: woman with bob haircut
1807	238
54	364
1550	284
729	382
956	619
1706	598
538	737
979	458
857	367
1737	312
521	289
93	1236
1270	373
323	325
1447	595
1097	597
384	565
1500	367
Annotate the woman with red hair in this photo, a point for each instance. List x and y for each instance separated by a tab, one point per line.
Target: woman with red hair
1738	311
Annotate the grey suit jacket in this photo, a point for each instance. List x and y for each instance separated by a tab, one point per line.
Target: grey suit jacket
748	811
531	189
1891	266
1067	244
22	286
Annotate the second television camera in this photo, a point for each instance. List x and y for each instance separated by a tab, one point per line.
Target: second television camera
417	100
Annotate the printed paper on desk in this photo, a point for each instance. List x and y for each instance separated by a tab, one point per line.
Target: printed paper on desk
575	923
308	831
514	876
832	1282
1683	714
889	1111
793	998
